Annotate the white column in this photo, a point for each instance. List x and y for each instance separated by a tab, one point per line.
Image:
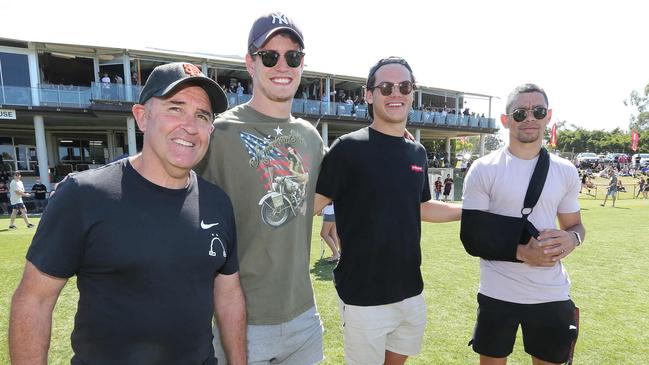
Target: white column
110	144
448	150
482	140
41	150
325	134
490	98
418	135
130	131
126	65
34	74
419	98
95	67
328	90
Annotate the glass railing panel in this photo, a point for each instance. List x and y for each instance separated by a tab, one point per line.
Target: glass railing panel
297	106
492	123
361	111
464	120
451	119
15	95
312	107
473	122
344	109
244	98
414	116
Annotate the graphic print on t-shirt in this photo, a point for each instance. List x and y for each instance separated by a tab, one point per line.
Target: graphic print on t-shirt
282	172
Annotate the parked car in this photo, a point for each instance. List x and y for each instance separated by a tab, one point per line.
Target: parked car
640	160
587	159
612	157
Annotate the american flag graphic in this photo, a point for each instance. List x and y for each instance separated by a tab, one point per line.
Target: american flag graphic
270	161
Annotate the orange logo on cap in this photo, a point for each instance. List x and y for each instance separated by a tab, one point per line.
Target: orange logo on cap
191	70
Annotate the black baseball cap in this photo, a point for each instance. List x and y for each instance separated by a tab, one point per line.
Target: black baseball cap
166	79
268	25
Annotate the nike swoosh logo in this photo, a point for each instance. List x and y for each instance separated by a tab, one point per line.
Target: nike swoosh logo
207	226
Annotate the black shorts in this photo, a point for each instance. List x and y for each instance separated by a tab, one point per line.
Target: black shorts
548	328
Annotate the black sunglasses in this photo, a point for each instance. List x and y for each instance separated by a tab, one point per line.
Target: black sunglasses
520	114
270	58
405	87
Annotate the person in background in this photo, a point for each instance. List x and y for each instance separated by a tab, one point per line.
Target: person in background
328	232
40	196
4	198
16	195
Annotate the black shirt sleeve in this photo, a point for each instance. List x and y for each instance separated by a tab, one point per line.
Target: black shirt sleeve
58	245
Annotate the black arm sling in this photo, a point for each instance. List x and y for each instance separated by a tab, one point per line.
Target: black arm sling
496	237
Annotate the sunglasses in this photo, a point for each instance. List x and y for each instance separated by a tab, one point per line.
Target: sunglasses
270	58
405	87
539	112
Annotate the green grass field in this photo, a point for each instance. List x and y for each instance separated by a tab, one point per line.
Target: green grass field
610	276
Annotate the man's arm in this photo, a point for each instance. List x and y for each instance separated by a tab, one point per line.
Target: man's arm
438	212
320	202
30	324
553	244
230	309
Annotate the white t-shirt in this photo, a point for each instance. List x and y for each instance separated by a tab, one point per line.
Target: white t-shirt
13	196
497	183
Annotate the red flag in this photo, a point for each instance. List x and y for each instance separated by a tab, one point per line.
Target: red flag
635	138
553	135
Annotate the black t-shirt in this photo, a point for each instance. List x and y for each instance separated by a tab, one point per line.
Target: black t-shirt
145	258
39	191
377	183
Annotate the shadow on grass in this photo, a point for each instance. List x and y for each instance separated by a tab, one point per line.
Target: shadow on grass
323	270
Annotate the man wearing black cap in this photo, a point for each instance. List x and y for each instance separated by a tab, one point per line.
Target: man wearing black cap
153	245
379	208
267	161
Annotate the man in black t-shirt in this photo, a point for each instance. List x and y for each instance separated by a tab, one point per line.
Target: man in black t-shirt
379	183
40	200
153	246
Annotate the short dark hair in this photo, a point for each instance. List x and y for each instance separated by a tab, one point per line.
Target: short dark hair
371	77
522	89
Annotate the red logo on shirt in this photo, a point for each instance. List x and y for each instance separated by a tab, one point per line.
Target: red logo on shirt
416	168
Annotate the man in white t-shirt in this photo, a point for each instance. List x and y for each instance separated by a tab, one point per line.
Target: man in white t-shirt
534	292
16	194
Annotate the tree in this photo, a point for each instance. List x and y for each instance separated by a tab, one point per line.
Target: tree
492	142
641	103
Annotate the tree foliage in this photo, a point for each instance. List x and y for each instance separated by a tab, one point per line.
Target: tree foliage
641	103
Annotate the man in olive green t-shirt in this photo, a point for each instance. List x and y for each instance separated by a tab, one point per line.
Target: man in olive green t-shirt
267	162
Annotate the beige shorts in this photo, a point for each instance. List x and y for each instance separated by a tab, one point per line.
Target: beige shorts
369	331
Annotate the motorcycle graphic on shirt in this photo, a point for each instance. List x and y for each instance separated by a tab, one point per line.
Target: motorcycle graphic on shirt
283	173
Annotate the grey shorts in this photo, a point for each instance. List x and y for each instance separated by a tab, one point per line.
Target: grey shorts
328	217
296	342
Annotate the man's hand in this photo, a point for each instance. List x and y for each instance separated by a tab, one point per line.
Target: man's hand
558	244
551	246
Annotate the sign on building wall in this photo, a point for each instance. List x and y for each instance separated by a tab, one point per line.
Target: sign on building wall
7	114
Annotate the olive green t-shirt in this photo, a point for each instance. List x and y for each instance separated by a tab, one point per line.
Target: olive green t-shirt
269	168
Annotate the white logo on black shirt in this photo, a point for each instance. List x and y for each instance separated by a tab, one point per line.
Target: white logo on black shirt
215	238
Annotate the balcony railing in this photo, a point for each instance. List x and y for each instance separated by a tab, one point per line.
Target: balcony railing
83	96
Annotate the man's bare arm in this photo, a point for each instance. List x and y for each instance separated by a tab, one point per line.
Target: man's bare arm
230	310
439	212
30	325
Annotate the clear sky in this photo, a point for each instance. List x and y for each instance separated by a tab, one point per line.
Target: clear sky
588	55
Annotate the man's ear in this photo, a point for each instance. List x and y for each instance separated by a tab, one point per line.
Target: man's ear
503	120
250	66
139	112
369	97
